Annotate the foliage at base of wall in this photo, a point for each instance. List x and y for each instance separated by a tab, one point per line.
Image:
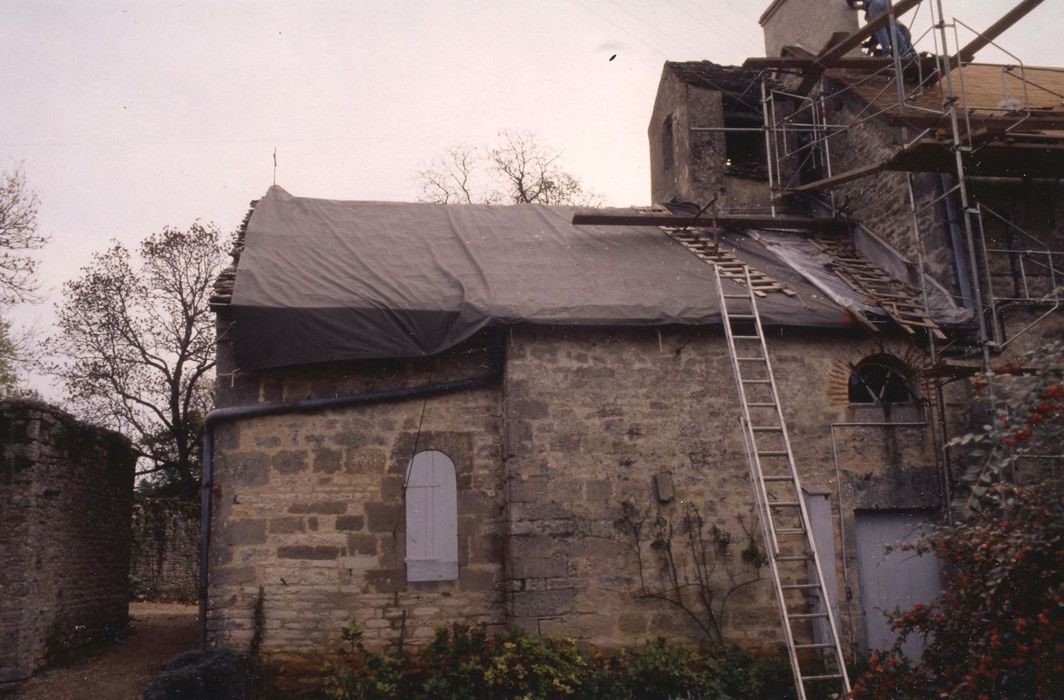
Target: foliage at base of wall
462	663
998	630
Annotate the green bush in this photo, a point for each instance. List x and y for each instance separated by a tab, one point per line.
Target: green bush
997	631
462	664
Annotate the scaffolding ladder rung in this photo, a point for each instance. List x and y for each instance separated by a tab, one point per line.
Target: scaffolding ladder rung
822	677
806	616
750	359
792	557
777	478
813	646
799	586
767	428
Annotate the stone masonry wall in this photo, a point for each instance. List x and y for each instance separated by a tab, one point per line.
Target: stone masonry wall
309	510
164	561
593	416
881	202
65	495
308	518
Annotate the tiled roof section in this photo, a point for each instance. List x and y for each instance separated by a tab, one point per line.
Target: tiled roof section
223	286
744	83
985	90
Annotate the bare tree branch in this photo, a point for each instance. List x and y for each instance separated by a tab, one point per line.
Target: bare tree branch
519	171
18	235
135	346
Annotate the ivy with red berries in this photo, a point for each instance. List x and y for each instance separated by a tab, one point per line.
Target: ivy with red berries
997	631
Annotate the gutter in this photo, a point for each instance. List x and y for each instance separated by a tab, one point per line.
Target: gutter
494	373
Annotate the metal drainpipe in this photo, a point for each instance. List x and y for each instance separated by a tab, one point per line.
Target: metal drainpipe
495	372
955	237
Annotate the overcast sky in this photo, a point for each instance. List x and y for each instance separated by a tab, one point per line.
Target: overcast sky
130	116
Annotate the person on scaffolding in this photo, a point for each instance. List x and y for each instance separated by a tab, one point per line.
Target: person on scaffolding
883	45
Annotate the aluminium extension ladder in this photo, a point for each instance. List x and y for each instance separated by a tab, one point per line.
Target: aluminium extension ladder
797	574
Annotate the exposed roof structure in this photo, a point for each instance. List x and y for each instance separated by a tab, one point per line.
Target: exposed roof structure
742	83
323	280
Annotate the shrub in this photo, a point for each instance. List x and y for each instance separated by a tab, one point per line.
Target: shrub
998	629
461	664
217	674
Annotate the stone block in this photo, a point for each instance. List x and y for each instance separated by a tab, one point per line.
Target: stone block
392	488
528	490
385	581
319	508
362	544
286	525
539	568
245	468
326	460
477	579
361	460
232	576
543	603
598	491
315	552
350	522
632	623
383	517
289	462
245	532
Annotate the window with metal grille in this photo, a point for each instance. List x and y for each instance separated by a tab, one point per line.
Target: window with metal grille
881	379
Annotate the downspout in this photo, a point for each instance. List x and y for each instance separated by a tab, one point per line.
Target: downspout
959	254
493	374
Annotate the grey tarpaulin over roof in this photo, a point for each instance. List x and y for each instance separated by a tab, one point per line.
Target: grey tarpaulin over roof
322	280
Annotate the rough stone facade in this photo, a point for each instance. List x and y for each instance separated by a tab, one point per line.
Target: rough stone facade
690	166
881	203
164	561
66	490
309	508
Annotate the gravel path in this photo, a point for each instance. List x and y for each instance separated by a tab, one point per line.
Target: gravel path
160	631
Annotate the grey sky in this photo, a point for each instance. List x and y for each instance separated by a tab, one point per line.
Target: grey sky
129	116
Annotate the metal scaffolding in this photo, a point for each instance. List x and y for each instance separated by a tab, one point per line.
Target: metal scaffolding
946	129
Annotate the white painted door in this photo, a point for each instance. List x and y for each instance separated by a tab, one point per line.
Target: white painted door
431	518
898	580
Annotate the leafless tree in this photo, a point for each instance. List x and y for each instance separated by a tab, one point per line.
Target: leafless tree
135	346
519	170
18	236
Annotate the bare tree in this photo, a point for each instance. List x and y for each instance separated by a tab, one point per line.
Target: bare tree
136	342
450	178
18	235
519	170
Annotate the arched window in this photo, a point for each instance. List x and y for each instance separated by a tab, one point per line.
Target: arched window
431	518
881	380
